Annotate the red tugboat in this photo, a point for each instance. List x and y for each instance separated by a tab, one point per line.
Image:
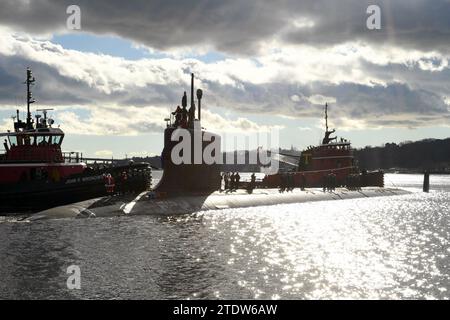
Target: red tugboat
333	158
35	174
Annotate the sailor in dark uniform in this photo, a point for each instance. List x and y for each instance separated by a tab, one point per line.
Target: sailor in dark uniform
184	112
237	177
178	116
252	183
253	179
325	179
302	182
232	181
225	180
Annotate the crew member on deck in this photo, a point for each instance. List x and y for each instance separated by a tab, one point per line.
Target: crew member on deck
302	182
184	112
252	183
109	183
253	179
225	180
332	181
232	181
237	177
325	182
178	116
124	181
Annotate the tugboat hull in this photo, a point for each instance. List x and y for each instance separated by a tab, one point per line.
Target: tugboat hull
315	179
40	195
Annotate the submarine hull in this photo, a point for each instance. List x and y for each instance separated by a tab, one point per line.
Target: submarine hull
144	204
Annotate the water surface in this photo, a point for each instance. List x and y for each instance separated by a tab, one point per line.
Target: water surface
378	248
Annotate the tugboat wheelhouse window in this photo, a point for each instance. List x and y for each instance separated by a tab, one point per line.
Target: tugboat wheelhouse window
12	141
40	140
56	139
35	140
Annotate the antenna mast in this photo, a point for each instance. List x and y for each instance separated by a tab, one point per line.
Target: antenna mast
199	98
326	117
29	82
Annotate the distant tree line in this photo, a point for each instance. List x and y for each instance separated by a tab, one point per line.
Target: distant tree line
428	154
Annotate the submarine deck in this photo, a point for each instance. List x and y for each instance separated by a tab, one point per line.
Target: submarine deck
144	205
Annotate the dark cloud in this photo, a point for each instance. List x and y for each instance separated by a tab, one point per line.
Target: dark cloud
429	80
240	26
52	88
373	104
393	99
418	24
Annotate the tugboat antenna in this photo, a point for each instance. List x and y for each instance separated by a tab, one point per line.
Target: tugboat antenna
326	117
29	82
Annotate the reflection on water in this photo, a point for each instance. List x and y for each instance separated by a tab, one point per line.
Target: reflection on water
394	247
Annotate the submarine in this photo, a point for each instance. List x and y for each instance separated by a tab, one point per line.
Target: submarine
195	184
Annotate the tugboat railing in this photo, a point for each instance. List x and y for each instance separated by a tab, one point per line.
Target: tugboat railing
102	160
72	157
77	157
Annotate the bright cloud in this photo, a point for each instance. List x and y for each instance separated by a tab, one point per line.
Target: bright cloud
276	62
104	153
135	96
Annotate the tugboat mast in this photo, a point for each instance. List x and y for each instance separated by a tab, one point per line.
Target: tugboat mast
327	139
29	82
